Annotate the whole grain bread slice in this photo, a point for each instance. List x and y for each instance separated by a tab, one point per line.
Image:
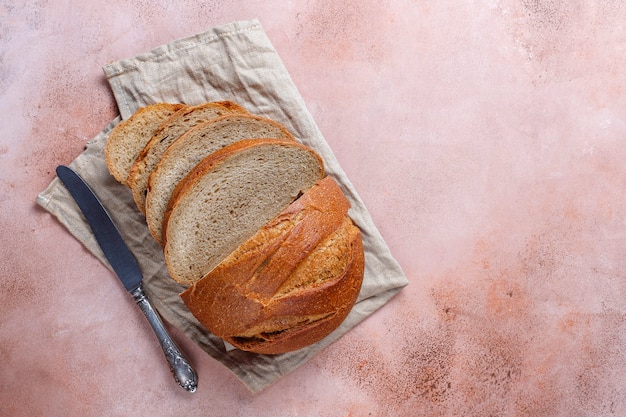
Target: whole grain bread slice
129	137
191	148
170	130
228	197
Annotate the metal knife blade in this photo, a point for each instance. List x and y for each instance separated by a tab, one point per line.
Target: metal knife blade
125	266
108	236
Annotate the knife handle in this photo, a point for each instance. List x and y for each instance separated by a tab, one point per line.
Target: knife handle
182	370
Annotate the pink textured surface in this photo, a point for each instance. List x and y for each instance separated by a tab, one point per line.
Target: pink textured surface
487	138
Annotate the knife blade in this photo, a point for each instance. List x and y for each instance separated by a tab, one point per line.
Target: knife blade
127	269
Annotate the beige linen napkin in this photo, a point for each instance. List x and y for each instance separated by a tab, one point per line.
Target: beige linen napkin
232	62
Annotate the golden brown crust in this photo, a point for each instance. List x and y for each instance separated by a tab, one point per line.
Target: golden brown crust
291	284
232	106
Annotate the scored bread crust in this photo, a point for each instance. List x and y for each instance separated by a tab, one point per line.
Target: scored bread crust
292	283
129	137
193	146
170	130
197	201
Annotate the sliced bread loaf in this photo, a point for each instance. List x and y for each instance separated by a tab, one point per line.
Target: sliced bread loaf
191	148
170	130
129	137
292	283
228	197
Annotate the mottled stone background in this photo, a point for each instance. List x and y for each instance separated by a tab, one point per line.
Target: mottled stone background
488	140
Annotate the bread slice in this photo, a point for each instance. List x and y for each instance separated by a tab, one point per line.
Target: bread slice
191	148
170	130
129	137
228	197
289	285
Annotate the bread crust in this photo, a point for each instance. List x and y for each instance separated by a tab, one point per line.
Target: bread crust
266	296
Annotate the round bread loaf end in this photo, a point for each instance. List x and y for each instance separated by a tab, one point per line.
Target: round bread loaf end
292	283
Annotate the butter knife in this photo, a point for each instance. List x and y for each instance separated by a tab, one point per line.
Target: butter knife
125	266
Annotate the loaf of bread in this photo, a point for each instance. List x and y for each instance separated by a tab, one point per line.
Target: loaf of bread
228	197
289	285
129	137
247	219
188	150
170	130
